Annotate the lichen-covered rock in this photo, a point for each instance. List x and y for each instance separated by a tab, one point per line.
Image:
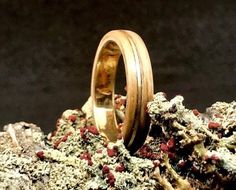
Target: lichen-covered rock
22	138
193	150
19	165
185	150
75	156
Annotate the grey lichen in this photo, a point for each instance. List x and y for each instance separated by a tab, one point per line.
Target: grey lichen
185	149
197	145
74	156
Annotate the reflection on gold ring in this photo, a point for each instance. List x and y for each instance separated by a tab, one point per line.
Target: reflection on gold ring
139	87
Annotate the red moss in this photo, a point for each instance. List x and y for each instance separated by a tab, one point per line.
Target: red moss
154	156
115	148
213	125
168	148
93	130
105	143
83	133
112	152
40	154
86	156
215	157
105	169
171	155
171	143
120	168
111	179
72	118
90	163
56	144
65	137
164	147
145	151
196	112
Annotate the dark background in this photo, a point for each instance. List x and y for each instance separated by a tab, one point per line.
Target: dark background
47	50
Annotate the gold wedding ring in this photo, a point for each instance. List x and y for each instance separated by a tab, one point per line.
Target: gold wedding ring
139	87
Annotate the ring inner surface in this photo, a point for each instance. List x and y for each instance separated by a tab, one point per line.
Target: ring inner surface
105	75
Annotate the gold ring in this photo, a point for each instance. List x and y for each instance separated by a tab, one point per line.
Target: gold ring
139	87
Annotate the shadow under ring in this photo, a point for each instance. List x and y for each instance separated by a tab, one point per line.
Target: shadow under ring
139	87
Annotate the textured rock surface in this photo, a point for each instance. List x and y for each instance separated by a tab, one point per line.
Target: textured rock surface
75	157
195	150
185	150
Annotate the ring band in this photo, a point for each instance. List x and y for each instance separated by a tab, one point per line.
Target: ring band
139	86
